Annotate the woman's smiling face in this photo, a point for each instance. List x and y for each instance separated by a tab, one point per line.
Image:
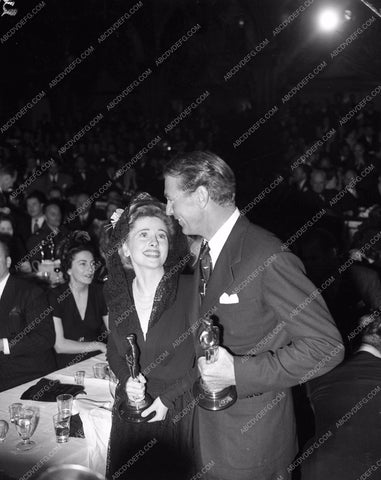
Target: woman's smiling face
82	267
147	243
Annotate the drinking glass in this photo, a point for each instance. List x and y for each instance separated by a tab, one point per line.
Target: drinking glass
65	403
62	427
14	410
4	427
112	382
26	424
79	377
100	370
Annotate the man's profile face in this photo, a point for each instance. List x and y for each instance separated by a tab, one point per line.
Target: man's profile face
182	205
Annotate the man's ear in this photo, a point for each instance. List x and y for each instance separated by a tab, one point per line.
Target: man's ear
202	196
9	262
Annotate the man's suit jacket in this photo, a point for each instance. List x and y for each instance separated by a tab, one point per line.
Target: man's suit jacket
278	337
25	320
347	403
44	183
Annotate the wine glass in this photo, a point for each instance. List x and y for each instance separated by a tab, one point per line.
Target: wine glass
26	424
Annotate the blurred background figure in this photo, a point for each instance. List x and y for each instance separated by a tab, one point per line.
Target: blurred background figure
347	404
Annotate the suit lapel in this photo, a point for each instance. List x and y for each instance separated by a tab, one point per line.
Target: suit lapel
223	272
7	302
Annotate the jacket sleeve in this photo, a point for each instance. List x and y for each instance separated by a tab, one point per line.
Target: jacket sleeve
116	361
37	332
179	388
308	344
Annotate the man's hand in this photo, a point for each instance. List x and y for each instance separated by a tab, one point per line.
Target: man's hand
135	388
220	374
160	409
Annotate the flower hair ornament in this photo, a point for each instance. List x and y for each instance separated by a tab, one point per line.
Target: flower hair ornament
114	218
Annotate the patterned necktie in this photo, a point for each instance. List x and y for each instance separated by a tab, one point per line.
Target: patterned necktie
205	268
35	226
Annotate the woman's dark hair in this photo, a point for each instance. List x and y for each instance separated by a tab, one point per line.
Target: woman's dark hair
75	242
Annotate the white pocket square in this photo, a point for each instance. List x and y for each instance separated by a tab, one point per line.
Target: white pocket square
229	299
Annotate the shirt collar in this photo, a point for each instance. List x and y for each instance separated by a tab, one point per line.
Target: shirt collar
370	349
218	240
40	221
2	284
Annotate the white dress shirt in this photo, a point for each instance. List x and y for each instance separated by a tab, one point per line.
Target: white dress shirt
218	240
5	340
40	221
370	349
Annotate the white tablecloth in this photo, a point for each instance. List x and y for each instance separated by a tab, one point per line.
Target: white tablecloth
90	452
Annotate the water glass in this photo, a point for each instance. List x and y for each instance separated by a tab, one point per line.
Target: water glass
65	403
61	427
14	411
79	377
4	427
100	370
26	424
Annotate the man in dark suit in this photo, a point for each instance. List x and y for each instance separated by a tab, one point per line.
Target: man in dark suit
26	328
347	403
277	331
54	177
35	202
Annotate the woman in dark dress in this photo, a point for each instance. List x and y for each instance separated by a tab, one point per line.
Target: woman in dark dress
146	296
79	309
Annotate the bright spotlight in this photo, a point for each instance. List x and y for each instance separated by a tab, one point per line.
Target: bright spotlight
328	20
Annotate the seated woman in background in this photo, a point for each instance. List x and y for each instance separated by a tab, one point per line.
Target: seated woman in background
146	296
79	309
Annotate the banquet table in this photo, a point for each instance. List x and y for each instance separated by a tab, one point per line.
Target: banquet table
90	451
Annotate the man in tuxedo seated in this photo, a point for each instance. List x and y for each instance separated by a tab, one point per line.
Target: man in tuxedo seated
54	177
35	202
299	179
8	177
353	198
317	199
318	196
26	328
49	236
347	402
83	216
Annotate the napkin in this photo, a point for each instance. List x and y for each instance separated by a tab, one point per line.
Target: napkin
46	390
76	427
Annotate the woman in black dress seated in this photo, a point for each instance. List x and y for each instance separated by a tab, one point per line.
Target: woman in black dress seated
146	296
79	309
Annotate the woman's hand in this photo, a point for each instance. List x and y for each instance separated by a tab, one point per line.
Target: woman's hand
136	388
159	407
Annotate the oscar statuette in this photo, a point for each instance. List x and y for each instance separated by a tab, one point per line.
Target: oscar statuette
129	410
216	400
